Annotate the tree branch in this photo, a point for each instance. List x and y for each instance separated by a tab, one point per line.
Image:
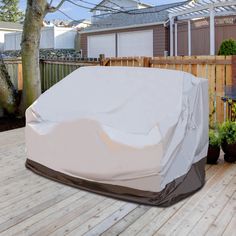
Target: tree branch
52	9
50	4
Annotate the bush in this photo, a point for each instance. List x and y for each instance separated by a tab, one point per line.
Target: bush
227	47
214	138
228	132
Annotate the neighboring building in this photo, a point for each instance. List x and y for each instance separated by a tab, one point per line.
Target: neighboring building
186	28
51	37
79	24
6	28
108	6
225	28
142	32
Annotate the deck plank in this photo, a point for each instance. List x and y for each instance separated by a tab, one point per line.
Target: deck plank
126	221
230	230
192	213
33	205
224	217
215	209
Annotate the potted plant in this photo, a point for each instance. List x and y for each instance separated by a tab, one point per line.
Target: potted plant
228	140
214	147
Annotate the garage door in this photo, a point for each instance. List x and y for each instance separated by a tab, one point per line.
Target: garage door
102	44
138	43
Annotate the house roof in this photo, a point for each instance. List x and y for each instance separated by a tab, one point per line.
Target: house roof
131	18
100	3
77	22
10	25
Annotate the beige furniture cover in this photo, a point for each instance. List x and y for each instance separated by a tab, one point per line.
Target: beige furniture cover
138	134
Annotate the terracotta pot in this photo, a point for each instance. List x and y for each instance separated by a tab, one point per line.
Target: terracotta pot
230	151
213	154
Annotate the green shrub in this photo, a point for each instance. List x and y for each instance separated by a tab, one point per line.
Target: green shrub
214	138
228	132
227	47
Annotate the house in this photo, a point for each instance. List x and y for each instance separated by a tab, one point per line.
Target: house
140	32
79	24
51	37
6	28
184	28
107	6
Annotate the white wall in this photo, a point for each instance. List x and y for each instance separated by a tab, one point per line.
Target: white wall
2	37
12	41
47	37
2	33
51	37
64	37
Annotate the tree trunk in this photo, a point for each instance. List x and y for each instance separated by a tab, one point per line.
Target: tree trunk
7	91
35	12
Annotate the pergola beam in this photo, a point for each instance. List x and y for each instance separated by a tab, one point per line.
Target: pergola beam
204	7
189	39
189	17
171	37
212	31
176	39
200	9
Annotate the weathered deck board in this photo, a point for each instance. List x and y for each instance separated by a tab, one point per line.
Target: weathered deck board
33	205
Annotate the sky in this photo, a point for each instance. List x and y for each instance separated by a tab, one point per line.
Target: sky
78	13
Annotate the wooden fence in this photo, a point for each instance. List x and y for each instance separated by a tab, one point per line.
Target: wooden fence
51	71
219	70
14	68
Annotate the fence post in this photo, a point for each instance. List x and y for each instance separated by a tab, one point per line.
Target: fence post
144	62
19	76
101	59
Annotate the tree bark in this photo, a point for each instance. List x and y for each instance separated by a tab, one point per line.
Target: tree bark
8	94
35	13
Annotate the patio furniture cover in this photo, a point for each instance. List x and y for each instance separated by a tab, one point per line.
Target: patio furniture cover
138	134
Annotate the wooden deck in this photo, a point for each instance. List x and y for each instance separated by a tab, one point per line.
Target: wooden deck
33	205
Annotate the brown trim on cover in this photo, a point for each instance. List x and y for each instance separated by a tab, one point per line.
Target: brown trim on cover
175	191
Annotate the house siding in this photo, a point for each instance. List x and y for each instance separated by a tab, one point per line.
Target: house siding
225	28
160	42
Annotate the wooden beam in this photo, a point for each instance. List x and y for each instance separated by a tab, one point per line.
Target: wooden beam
189	38
212	31
233	70
176	39
171	37
203	7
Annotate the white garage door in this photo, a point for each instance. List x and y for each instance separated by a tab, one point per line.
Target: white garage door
102	44
138	43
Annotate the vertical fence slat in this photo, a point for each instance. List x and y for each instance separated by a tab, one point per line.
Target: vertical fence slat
220	85
228	79
194	67
210	71
187	67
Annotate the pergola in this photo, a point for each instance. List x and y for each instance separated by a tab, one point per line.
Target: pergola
198	9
